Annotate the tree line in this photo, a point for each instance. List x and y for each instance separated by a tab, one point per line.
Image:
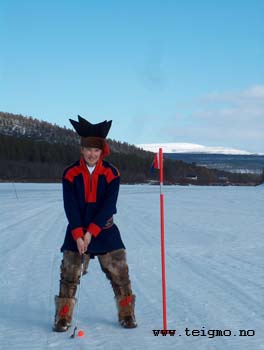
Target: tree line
24	159
33	150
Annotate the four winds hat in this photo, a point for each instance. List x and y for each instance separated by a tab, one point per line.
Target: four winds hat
92	135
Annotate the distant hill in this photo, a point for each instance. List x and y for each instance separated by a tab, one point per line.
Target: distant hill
228	162
221	158
34	150
191	148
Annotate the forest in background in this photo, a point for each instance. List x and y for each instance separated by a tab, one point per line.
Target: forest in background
37	151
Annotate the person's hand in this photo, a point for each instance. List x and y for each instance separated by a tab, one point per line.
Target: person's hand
87	240
81	246
82	243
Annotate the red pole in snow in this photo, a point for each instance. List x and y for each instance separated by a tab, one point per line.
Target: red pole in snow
162	236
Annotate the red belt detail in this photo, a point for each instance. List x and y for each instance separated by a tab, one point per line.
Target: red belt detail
109	223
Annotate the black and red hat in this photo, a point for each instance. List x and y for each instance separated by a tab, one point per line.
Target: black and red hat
92	135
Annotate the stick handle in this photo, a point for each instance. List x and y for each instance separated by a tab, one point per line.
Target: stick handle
78	298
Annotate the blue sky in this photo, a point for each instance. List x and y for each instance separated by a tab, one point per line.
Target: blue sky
164	71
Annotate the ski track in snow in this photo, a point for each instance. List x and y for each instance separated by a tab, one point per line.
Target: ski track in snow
214	258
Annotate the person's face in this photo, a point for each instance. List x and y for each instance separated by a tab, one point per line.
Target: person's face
91	155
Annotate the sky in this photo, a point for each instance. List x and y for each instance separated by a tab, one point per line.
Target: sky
163	71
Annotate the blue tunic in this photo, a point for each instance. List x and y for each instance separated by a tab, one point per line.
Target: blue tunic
90	203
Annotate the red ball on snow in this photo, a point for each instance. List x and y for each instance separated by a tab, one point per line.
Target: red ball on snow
81	333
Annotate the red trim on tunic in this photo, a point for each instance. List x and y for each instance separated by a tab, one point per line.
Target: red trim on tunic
93	183
86	179
109	175
77	233
90	181
71	173
94	229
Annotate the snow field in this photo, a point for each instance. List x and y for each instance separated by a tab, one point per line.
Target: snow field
214	259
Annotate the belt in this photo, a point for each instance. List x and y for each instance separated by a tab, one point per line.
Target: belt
109	223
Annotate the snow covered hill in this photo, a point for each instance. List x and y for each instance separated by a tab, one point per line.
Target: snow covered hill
215	264
178	147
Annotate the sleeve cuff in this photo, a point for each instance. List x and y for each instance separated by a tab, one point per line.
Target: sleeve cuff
94	229
77	233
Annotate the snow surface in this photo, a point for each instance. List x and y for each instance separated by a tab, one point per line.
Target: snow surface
178	147
214	258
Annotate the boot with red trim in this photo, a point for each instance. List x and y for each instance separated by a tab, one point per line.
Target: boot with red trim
126	311
64	311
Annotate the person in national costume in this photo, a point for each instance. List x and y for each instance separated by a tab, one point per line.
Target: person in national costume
90	192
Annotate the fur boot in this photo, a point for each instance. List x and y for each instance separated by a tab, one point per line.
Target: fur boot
126	311
64	311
